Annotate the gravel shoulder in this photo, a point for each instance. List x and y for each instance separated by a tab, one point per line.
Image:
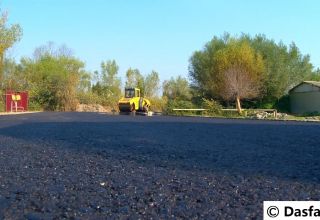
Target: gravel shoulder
98	166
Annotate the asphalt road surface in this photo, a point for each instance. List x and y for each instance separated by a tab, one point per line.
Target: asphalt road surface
95	166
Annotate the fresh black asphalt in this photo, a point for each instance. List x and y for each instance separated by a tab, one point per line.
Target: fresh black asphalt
97	166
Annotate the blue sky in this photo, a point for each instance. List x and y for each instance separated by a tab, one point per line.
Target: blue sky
158	35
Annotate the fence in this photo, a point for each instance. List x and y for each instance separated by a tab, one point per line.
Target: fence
274	111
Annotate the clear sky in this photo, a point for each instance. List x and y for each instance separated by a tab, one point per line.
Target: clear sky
158	35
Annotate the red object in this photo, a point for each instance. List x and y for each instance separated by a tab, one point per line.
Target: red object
19	105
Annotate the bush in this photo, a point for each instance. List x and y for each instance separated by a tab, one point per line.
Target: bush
88	98
158	104
233	114
183	104
283	104
2	108
2	101
34	106
214	108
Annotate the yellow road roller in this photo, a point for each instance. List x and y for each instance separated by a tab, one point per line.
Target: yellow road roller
132	101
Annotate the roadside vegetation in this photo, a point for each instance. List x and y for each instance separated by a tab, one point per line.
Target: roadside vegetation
233	72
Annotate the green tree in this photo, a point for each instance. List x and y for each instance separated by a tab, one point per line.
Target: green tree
108	83
316	75
110	80
201	68
177	94
134	79
284	68
239	72
84	81
8	36
177	89
151	84
53	79
13	78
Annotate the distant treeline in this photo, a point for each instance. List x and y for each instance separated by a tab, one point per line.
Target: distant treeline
245	71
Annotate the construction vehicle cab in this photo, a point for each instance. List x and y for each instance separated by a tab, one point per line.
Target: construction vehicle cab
132	101
131	92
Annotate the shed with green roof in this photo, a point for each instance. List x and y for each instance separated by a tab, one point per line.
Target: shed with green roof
305	98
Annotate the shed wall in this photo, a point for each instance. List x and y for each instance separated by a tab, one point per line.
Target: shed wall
304	102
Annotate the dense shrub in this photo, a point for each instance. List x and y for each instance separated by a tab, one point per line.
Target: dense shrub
158	104
212	106
181	104
283	104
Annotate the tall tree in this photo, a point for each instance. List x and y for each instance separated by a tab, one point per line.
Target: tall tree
8	36
53	79
134	79
84	81
284	67
240	72
151	84
110	80
316	75
201	68
176	89
13	78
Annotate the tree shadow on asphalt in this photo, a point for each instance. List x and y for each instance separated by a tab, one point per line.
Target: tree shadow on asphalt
286	151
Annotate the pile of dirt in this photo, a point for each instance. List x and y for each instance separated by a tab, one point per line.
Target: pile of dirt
92	108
